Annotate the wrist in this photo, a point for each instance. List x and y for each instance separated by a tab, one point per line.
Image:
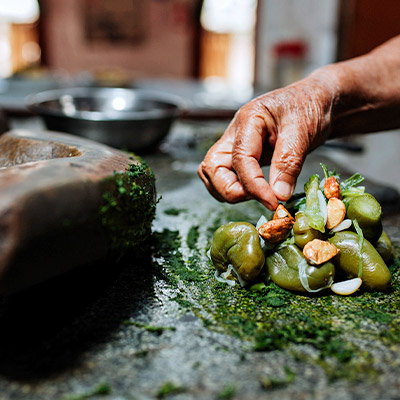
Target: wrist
365	91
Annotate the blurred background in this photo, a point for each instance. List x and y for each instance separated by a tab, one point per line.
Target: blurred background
266	43
215	54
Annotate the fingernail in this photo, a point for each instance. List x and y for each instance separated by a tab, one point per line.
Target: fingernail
283	189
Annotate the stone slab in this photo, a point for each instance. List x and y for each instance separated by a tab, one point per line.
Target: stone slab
51	188
97	327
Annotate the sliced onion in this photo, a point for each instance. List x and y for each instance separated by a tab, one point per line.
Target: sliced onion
223	277
227	272
322	206
242	282
304	279
348	287
322	184
261	221
345	224
218	277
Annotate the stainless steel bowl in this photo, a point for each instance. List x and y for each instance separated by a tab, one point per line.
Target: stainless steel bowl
131	119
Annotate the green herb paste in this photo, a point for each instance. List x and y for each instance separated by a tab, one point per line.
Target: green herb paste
128	207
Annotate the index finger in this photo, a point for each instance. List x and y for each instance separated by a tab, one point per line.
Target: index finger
246	154
218	175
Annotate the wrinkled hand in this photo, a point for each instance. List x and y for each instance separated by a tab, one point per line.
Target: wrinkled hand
278	128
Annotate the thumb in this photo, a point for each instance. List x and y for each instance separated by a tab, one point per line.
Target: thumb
286	163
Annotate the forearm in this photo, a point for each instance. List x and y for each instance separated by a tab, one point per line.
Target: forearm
366	91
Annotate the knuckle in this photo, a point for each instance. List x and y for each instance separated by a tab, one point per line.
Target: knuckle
290	162
201	168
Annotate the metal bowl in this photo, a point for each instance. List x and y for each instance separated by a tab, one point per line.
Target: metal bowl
131	119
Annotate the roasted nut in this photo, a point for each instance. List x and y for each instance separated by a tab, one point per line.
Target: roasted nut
281	212
336	212
332	188
276	230
319	251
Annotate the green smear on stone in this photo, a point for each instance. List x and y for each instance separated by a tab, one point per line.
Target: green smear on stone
128	207
192	237
227	393
269	383
167	389
149	328
103	389
269	318
174	211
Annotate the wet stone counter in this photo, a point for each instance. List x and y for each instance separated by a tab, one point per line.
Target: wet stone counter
158	325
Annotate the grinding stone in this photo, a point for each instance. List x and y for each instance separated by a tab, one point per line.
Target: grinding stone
51	190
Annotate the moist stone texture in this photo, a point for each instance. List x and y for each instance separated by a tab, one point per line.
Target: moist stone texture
159	325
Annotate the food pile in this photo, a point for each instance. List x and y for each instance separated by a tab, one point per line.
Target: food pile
330	236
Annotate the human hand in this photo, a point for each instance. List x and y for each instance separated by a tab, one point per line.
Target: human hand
278	128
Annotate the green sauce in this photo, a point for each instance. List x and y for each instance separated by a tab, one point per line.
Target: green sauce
128	208
268	318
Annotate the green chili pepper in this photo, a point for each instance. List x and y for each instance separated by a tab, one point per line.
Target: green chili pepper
375	273
367	211
384	247
288	269
238	244
303	233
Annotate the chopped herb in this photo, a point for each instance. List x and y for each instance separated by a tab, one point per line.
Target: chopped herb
227	393
352	181
296	202
128	207
274	300
192	237
394	266
270	318
354	191
169	388
286	242
328	174
257	287
273	383
325	170
150	328
103	389
173	211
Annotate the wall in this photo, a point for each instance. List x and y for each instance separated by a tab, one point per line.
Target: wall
365	24
312	21
165	50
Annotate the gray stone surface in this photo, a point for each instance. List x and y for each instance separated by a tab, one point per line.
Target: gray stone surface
51	188
68	336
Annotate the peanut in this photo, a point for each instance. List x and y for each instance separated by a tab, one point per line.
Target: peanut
281	212
319	251
336	212
276	230
332	188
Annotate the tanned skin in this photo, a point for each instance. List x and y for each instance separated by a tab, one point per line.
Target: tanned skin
281	127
